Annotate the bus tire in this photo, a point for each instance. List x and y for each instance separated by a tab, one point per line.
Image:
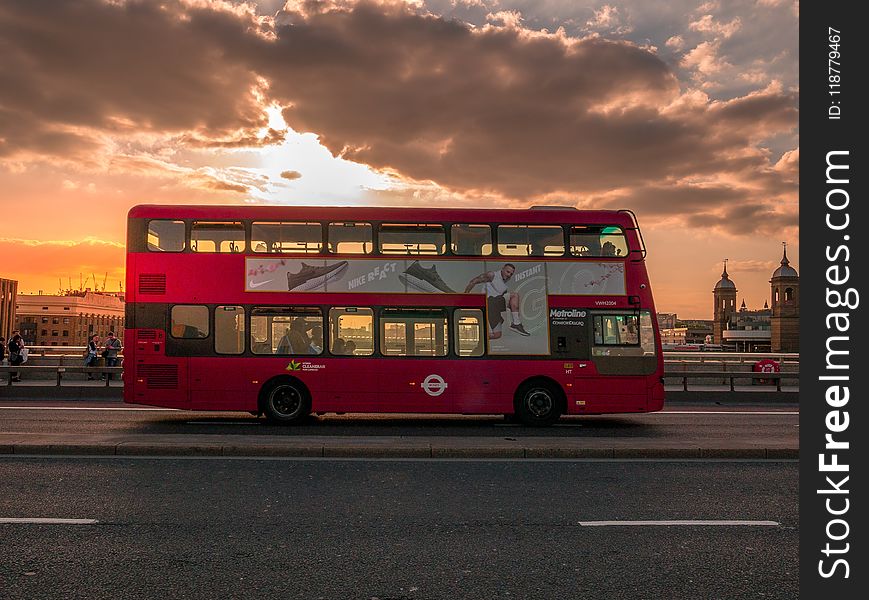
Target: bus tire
539	402
286	401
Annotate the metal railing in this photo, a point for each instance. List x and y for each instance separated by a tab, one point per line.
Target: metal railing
60	371
732	375
729	357
59	352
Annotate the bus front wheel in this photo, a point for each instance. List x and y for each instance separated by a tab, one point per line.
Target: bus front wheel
286	402
538	403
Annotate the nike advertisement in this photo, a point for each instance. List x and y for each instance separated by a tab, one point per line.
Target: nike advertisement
412	276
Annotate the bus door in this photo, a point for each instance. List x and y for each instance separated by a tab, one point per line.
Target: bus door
409	381
351	382
615	379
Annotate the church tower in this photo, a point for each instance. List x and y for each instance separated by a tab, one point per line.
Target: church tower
785	319
724	296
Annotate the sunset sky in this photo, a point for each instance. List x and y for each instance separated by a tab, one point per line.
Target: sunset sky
683	111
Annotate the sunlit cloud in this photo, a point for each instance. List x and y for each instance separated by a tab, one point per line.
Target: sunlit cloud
447	102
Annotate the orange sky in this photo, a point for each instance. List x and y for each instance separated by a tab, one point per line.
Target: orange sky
686	114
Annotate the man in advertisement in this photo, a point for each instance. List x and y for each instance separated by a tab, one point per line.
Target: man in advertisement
498	298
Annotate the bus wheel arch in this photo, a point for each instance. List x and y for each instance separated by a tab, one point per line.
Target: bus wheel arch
539	401
285	399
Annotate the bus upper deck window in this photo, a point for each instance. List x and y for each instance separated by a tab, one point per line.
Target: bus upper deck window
165	235
297	238
350	238
598	240
471	240
217	236
412	238
530	240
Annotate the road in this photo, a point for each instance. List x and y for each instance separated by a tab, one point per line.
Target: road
775	422
397	529
109	427
67	427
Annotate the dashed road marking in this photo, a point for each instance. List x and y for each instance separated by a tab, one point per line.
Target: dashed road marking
46	521
689	523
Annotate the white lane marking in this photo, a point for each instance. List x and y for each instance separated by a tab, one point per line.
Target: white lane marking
87	408
666	412
223	422
554	425
127	457
690	523
725	412
37	521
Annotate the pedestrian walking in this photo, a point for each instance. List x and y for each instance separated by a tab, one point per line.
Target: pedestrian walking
112	347
90	357
2	350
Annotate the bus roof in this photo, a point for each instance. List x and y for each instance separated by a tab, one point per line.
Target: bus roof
558	215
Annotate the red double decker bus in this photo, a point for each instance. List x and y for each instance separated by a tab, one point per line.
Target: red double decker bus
287	311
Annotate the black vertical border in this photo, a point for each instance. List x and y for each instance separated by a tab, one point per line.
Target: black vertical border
819	135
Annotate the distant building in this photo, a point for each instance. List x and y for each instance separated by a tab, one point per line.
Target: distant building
8	291
724	306
70	319
785	320
673	336
749	330
696	330
666	320
683	331
773	329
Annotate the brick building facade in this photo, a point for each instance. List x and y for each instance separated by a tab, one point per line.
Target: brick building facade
68	320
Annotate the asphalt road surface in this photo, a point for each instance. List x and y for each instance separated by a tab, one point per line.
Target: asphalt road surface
776	425
396	529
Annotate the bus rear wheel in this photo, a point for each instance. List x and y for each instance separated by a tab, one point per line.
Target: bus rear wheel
538	403
286	402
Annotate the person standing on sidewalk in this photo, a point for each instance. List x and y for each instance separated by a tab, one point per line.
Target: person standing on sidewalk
112	347
2	350
90	359
16	346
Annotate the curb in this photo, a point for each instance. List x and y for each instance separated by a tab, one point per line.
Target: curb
363	451
101	392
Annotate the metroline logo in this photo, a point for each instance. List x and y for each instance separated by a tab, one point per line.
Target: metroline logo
560	313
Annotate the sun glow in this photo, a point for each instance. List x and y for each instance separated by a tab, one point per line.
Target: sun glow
323	178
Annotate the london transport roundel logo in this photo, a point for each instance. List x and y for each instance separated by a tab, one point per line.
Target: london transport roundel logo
434	385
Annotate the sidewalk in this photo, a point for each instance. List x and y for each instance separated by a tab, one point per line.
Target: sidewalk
68	390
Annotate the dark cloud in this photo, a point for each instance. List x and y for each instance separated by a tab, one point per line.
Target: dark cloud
669	200
84	68
497	110
291	175
746	218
